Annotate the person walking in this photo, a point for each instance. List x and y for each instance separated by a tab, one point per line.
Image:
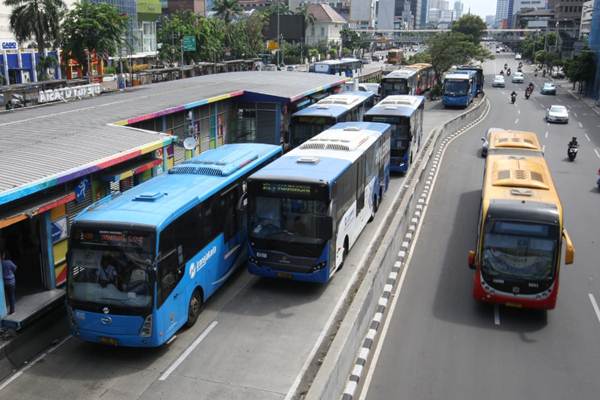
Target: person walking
10	282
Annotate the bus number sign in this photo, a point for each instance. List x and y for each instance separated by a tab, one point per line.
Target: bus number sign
286	188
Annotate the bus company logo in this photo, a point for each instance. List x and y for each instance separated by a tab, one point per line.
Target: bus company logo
198	265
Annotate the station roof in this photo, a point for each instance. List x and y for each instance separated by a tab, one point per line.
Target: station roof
41	147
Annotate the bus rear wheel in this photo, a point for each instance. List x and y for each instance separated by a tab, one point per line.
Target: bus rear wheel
194	308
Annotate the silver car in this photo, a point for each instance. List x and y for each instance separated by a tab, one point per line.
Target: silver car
557	113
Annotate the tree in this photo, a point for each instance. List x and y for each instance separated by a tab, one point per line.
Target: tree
581	69
92	27
453	48
470	25
38	20
227	10
350	39
172	30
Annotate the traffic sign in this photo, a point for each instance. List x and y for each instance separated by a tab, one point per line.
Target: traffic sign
189	43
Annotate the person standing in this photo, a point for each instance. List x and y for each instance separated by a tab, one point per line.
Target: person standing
10	281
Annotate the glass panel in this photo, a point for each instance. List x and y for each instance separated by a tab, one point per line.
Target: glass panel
456	88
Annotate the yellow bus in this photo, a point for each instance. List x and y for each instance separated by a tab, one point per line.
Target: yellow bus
504	141
520	233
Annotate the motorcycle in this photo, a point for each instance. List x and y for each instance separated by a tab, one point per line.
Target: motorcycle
508	72
513	98
572	153
527	94
598	181
505	66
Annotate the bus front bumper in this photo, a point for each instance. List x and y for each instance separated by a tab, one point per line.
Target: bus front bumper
510	300
319	276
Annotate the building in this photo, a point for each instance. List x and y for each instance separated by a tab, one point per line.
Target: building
363	13
385	14
594	43
502	13
458	9
520	6
196	6
490	20
586	19
423	17
342	7
59	159
253	4
327	25
567	15
535	19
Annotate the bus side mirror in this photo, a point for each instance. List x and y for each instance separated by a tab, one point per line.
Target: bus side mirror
570	249
471	259
242	202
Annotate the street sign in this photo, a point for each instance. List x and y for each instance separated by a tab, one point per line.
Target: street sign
189	43
272	45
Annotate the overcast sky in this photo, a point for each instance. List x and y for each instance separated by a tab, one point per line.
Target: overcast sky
479	7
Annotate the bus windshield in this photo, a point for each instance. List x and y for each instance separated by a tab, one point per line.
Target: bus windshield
456	88
288	219
519	250
111	268
401	136
304	128
391	87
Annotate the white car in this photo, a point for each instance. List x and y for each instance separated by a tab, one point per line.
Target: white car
549	88
518	56
499	81
557	113
518	77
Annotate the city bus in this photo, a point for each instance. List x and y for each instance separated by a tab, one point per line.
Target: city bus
307	208
141	264
394	57
459	89
501	141
414	79
345	67
405	114
479	77
314	119
520	234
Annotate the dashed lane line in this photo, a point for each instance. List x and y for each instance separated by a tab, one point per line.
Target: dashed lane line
496	315
595	305
597	154
516	121
588	138
546	135
580	125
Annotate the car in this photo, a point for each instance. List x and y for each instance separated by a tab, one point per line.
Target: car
518	77
365	60
291	68
548	88
270	67
518	56
557	113
499	81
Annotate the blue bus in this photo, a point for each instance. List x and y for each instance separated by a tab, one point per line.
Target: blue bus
479	77
308	208
459	89
405	114
314	119
141	264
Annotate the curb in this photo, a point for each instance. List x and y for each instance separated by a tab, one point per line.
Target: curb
360	325
592	107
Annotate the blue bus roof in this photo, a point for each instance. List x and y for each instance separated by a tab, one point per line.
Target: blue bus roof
335	105
461	75
311	164
159	200
397	105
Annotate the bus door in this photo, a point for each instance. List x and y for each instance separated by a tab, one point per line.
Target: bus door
360	184
232	235
170	301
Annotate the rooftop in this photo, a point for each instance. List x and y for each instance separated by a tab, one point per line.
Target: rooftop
324	13
44	146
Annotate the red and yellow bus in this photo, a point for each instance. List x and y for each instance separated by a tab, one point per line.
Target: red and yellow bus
520	233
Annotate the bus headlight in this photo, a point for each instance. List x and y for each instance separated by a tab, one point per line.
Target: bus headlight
253	260
319	266
146	330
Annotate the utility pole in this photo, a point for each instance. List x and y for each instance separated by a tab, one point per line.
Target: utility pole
278	37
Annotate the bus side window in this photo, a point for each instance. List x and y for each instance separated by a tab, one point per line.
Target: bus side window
169	275
228	208
360	185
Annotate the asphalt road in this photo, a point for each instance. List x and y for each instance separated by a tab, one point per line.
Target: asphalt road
252	341
440	343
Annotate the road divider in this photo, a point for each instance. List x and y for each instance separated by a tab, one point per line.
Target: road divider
357	327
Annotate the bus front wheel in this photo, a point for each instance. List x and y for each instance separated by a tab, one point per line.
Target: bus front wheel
194	308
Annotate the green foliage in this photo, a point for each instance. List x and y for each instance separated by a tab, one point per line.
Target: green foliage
43	64
272	9
333	53
36	19
533	43
97	27
548	58
453	48
350	39
470	25
292	53
581	68
421	57
227	10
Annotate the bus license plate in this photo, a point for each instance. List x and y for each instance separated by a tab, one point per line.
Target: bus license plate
284	275
109	341
514	305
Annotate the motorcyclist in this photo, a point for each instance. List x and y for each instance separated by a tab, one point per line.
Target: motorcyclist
505	66
508	71
502	72
573	143
513	97
544	73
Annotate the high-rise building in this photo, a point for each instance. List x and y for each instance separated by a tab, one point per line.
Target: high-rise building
502	13
407	13
385	14
586	19
490	20
423	16
594	43
363	13
458	9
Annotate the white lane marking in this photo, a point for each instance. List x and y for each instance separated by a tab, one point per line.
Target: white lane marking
517	121
38	359
187	351
588	138
575	114
543	148
595	305
597	154
546	135
496	315
518	111
396	295
580	124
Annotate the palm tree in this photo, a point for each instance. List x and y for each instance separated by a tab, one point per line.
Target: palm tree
227	9
38	20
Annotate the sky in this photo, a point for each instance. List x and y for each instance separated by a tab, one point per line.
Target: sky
480	7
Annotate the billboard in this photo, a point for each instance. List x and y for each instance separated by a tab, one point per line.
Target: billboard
148	7
291	27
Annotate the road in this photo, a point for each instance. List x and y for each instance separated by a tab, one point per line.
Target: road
251	342
438	343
